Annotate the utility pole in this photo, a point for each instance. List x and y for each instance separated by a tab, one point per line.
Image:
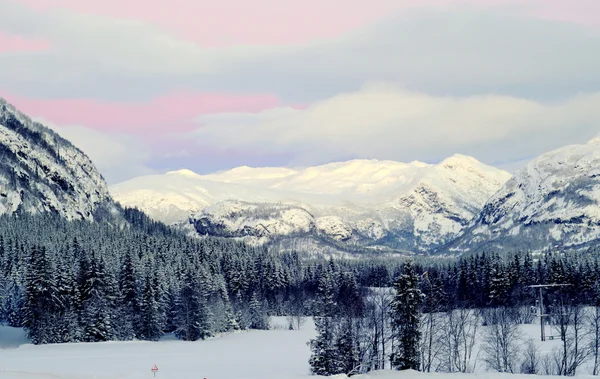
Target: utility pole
541	314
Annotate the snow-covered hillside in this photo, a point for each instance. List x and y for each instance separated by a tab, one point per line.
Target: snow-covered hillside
374	204
554	200
42	172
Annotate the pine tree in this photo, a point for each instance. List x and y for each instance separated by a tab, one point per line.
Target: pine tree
191	312
405	315
258	317
67	325
347	359
39	308
323	360
99	295
326	305
150	317
499	284
129	299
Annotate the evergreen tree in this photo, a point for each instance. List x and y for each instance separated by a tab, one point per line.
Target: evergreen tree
405	315
191	314
150	317
326	305
98	295
258	316
323	360
39	308
129	299
347	359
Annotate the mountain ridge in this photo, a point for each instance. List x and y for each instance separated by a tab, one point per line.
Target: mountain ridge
379	204
552	201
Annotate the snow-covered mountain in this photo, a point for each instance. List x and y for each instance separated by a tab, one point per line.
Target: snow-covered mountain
359	204
42	172
554	200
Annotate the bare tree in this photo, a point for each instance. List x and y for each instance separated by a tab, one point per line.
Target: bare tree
531	361
296	321
500	341
378	330
432	333
432	340
570	326
594	332
460	334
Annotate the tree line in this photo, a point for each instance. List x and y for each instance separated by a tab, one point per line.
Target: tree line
450	315
70	281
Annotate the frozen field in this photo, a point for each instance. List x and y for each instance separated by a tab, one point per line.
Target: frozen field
274	354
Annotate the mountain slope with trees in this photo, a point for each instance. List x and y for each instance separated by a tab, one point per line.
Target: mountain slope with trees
553	202
42	172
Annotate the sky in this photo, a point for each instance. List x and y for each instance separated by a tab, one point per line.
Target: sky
147	86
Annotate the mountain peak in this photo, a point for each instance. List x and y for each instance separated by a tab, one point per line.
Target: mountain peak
460	160
594	141
183	172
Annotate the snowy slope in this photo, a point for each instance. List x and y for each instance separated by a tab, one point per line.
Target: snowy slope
554	200
371	203
273	354
42	172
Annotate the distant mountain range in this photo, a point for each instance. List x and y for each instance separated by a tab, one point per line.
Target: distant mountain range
354	206
361	206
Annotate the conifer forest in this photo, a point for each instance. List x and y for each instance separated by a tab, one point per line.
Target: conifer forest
141	279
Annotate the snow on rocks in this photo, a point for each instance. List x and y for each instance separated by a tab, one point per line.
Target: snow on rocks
414	206
42	172
554	200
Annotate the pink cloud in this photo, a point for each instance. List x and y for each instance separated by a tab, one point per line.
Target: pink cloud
173	113
230	22
10	42
586	12
235	22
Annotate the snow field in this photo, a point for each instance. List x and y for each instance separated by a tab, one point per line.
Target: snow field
275	354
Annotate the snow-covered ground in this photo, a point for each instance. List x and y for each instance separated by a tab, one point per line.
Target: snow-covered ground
273	354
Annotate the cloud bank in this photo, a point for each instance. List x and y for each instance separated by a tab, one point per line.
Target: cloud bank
386	122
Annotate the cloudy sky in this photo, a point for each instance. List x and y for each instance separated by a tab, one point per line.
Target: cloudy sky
148	86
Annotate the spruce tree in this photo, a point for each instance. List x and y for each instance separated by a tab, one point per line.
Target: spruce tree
347	359
150	317
39	308
323	360
258	316
406	316
191	313
99	294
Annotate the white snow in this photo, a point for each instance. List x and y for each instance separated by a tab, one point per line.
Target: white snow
86	189
560	189
275	354
370	197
